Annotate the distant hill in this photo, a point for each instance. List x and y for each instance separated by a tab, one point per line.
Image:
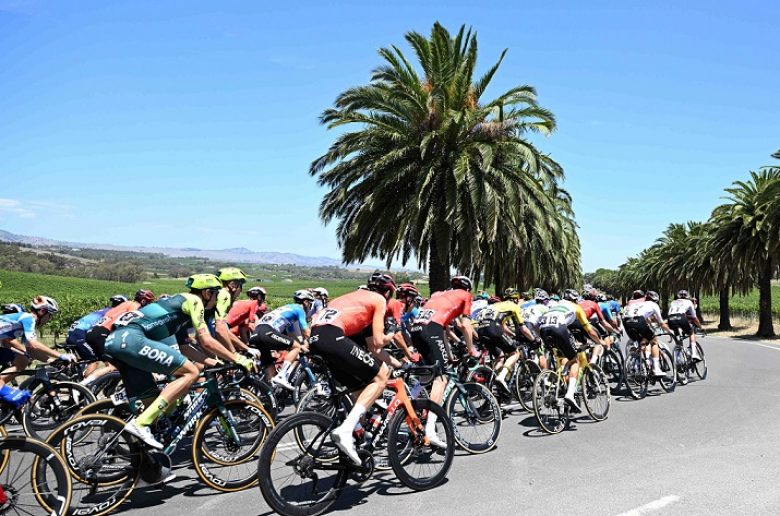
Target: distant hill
238	254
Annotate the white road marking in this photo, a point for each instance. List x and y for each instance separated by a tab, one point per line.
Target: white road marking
767	346
653	506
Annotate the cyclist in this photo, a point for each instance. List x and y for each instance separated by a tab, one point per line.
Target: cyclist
410	296
532	315
529	298
146	341
77	335
428	336
638	316
233	280
242	316
597	320
320	299
500	339
20	344
11	308
285	328
479	302
564	324
682	313
354	367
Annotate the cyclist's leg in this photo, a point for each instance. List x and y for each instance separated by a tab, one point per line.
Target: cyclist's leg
267	339
564	340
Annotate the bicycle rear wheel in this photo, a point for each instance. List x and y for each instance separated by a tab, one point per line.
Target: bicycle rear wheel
417	464
612	367
682	365
636	375
549	407
700	367
669	380
49	408
595	393
298	476
476	417
527	371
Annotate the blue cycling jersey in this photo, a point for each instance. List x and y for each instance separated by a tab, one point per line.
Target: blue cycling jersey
606	310
614	306
408	317
286	319
89	320
528	304
18	326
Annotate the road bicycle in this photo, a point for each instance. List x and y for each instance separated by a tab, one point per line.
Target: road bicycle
302	472
107	463
639	367
683	358
520	381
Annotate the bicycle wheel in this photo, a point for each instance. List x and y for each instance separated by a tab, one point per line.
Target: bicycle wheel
612	367
296	470
226	441
106	384
418	465
669	380
476	417
104	462
681	364
33	479
49	408
527	371
636	375
596	393
549	407
700	367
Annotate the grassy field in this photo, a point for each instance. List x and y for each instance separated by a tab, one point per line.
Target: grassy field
78	296
742	305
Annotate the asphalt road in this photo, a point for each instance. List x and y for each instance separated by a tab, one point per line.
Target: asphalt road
708	448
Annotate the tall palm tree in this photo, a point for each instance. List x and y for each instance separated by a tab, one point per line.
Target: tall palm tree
427	167
742	241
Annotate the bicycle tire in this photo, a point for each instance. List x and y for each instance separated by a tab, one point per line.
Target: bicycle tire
682	365
524	383
549	407
472	409
212	466
398	448
596	393
612	366
636	375
48	478
700	367
272	452
76	397
107	384
668	382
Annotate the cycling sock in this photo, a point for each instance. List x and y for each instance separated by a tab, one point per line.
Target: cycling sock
502	374
656	364
352	419
152	412
430	425
285	369
572	386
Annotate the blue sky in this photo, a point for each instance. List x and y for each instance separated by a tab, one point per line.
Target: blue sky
194	123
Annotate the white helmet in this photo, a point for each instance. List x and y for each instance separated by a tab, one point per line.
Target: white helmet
302	295
321	291
45	303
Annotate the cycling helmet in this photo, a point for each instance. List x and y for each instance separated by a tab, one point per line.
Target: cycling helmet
493	300
461	282
542	295
482	295
144	296
45	303
637	294
602	298
203	282
163	296
652	296
571	295
256	292
511	293
407	289
302	295
320	291
12	308
381	282
555	297
590	294
117	300
231	274
362	287
683	294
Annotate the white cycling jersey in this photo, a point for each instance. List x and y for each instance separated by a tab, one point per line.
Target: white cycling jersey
649	310
532	315
683	306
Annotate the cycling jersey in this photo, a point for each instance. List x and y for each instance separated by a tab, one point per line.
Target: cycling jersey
242	313
644	309
565	313
528	304
533	314
167	317
682	306
502	311
19	326
477	306
286	319
89	320
614	306
352	312
408	317
444	307
114	313
224	302
606	310
316	306
592	310
395	309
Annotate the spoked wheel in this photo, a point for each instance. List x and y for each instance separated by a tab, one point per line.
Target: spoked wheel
476	417
669	380
106	384
49	408
682	365
527	371
636	375
612	367
483	375
103	461
226	441
549	406
418	464
596	393
700	367
297	468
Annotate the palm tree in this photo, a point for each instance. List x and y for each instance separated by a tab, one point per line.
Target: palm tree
428	168
742	242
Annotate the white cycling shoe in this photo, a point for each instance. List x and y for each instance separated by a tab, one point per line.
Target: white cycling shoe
346	443
143	433
282	382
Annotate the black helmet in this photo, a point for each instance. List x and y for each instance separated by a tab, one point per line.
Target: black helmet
381	282
638	294
652	296
571	295
256	292
461	282
683	294
117	300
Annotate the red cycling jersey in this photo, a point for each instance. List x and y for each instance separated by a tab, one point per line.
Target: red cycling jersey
443	307
591	308
351	312
242	313
395	308
112	315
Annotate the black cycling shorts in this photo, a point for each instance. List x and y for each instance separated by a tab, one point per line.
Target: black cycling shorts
560	337
351	365
430	341
637	329
267	339
492	335
96	340
680	322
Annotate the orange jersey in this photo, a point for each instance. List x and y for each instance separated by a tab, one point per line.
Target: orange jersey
242	313
112	315
395	308
351	312
443	307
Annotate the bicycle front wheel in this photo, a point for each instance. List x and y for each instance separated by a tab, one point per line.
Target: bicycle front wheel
682	366
636	375
595	392
701	366
527	371
298	476
549	407
49	408
476	417
669	380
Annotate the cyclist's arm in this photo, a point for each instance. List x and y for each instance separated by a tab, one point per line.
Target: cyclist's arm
194	308
378	324
40	351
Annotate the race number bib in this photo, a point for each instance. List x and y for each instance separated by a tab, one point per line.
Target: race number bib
424	316
327	316
553	319
127	317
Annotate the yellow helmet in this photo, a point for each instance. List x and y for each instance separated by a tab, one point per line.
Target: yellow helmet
231	274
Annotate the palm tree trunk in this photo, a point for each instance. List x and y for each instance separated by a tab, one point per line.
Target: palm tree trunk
699	313
438	268
725	313
765	328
